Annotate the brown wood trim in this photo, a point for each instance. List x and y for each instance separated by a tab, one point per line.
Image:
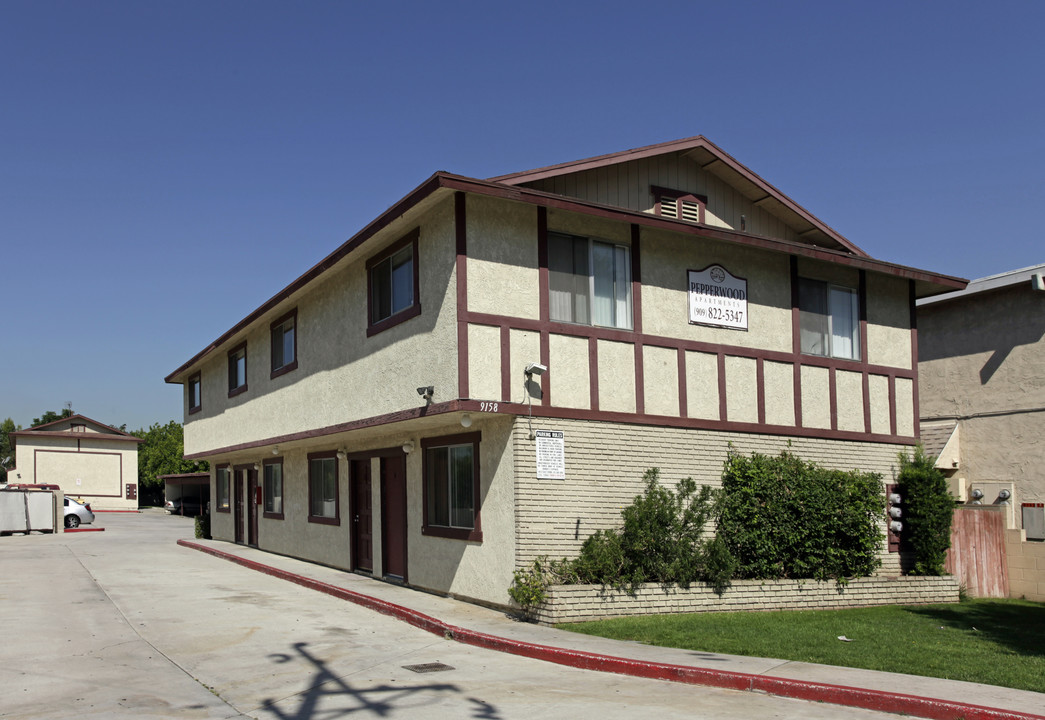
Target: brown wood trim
683	385
723	407
628	336
546	379
760	386
506	363
461	237
521	409
593	372
542	262
636	277
542	200
914	357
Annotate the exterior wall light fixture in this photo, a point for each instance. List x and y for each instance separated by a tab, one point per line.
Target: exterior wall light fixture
466	420
408	447
342	454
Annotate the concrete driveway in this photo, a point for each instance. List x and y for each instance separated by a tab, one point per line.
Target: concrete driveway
125	623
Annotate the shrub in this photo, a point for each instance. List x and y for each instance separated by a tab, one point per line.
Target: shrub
782	517
927	511
202	526
529	586
662	538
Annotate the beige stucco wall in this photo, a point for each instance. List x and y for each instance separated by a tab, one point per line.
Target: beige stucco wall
980	362
702	397
342	374
666	260
888	321
85	465
502	257
605	463
616	376
572	372
1026	561
475	570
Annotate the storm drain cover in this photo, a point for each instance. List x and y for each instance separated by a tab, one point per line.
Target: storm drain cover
427	667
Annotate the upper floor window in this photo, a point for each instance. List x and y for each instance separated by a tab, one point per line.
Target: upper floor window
285	344
679	204
589	281
829	319
451	486
272	482
392	282
78	427
195	393
238	370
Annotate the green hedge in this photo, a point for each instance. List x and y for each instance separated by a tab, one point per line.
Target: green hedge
927	508
782	517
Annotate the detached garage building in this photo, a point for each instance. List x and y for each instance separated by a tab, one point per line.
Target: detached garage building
85	458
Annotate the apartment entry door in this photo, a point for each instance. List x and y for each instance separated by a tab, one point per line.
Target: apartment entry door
393	516
362	512
245	505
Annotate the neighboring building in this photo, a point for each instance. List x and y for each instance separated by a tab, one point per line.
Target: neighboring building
84	457
982	392
482	374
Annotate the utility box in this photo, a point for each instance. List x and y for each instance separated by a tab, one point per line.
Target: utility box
1034	520
25	511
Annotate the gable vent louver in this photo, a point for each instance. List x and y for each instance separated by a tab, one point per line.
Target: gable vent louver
669	207
690	211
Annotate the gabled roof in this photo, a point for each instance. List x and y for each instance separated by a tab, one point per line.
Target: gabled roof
49	429
710	158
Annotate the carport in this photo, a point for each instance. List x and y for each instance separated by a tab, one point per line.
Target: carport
192	488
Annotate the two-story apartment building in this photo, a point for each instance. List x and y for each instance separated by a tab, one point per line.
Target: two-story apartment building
484	372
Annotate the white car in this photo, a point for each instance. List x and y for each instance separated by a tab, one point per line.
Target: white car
77	513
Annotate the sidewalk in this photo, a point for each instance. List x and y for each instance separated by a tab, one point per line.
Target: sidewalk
483	627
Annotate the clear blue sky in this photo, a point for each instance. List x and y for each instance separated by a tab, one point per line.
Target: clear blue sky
165	167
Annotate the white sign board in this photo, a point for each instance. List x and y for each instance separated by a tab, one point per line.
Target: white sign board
551	454
718	298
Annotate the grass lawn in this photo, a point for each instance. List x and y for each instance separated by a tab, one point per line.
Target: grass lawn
998	642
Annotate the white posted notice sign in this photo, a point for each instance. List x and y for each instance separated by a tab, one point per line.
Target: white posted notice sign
717	297
551	454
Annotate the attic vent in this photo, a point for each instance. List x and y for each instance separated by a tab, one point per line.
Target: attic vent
678	205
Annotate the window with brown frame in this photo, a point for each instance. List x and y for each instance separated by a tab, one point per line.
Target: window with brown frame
393	285
284	343
221	489
679	204
238	370
195	392
272	488
451	487
323	491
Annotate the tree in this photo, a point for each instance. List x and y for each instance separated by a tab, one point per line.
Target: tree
162	453
51	416
928	509
7	452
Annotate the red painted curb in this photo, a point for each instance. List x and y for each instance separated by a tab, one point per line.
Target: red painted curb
880	700
83	529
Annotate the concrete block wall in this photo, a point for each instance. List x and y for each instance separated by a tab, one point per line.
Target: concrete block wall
577	603
605	462
1026	562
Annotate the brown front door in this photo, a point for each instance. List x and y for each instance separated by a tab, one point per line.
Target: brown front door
237	503
362	515
393	516
252	507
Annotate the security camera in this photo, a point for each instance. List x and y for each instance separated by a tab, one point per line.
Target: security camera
426	391
536	369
